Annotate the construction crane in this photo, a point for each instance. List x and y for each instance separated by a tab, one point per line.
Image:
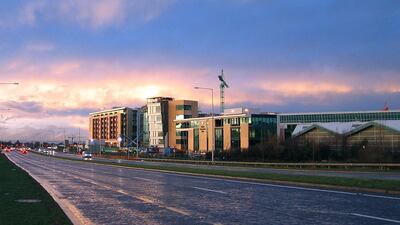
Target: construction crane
222	87
386	107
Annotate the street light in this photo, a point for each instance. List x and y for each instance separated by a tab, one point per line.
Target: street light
13	83
212	120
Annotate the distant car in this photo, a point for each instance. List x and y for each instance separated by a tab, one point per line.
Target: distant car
24	151
87	156
50	152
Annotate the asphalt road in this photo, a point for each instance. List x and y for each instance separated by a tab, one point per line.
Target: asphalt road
115	195
382	175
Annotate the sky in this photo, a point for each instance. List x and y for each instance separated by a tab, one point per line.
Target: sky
72	57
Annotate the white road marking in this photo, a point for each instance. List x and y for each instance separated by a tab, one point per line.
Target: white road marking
210	190
285	186
265	184
380	196
142	198
123	192
180	211
375	217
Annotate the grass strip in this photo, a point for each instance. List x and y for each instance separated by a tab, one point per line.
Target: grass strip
16	184
376	184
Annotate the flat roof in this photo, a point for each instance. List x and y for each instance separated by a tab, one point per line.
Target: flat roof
210	117
110	110
221	117
344	112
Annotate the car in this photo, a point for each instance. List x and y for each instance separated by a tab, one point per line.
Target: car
24	151
86	156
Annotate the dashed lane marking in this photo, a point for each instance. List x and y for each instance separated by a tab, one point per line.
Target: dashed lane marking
375	217
210	190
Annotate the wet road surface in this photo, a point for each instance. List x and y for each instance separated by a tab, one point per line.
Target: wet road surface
116	195
382	175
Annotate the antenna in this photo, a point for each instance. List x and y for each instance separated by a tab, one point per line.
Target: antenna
222	87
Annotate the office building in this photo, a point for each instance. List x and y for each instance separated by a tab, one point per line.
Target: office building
157	116
237	129
109	125
373	135
288	121
177	110
161	113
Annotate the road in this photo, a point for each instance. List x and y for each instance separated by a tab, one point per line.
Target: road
116	195
382	175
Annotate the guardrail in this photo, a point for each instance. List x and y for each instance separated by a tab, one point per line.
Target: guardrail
373	166
376	166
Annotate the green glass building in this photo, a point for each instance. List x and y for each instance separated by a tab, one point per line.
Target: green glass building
288	121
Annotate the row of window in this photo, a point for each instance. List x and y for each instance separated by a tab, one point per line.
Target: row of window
183	107
154	118
154	109
181	117
236	121
343	117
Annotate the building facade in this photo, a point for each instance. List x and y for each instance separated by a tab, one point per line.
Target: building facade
110	125
240	130
374	135
157	117
288	121
161	113
177	110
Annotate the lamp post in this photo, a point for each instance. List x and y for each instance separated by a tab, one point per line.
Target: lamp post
4	110
12	83
120	142
212	120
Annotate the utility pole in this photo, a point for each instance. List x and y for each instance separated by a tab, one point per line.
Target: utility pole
137	132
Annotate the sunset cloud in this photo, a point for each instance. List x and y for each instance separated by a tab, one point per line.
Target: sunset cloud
92	13
72	57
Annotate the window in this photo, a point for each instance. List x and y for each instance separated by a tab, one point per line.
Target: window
219	139
181	117
219	123
183	107
196	139
235	138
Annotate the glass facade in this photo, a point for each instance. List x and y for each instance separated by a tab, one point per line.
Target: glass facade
263	128
235	138
219	139
339	117
196	139
183	141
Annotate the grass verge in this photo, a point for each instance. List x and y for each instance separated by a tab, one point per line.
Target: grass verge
16	184
388	186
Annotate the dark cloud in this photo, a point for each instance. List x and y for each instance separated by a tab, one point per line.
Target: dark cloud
49	133
329	103
24	106
71	112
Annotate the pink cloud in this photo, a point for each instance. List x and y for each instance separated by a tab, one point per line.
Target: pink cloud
88	14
